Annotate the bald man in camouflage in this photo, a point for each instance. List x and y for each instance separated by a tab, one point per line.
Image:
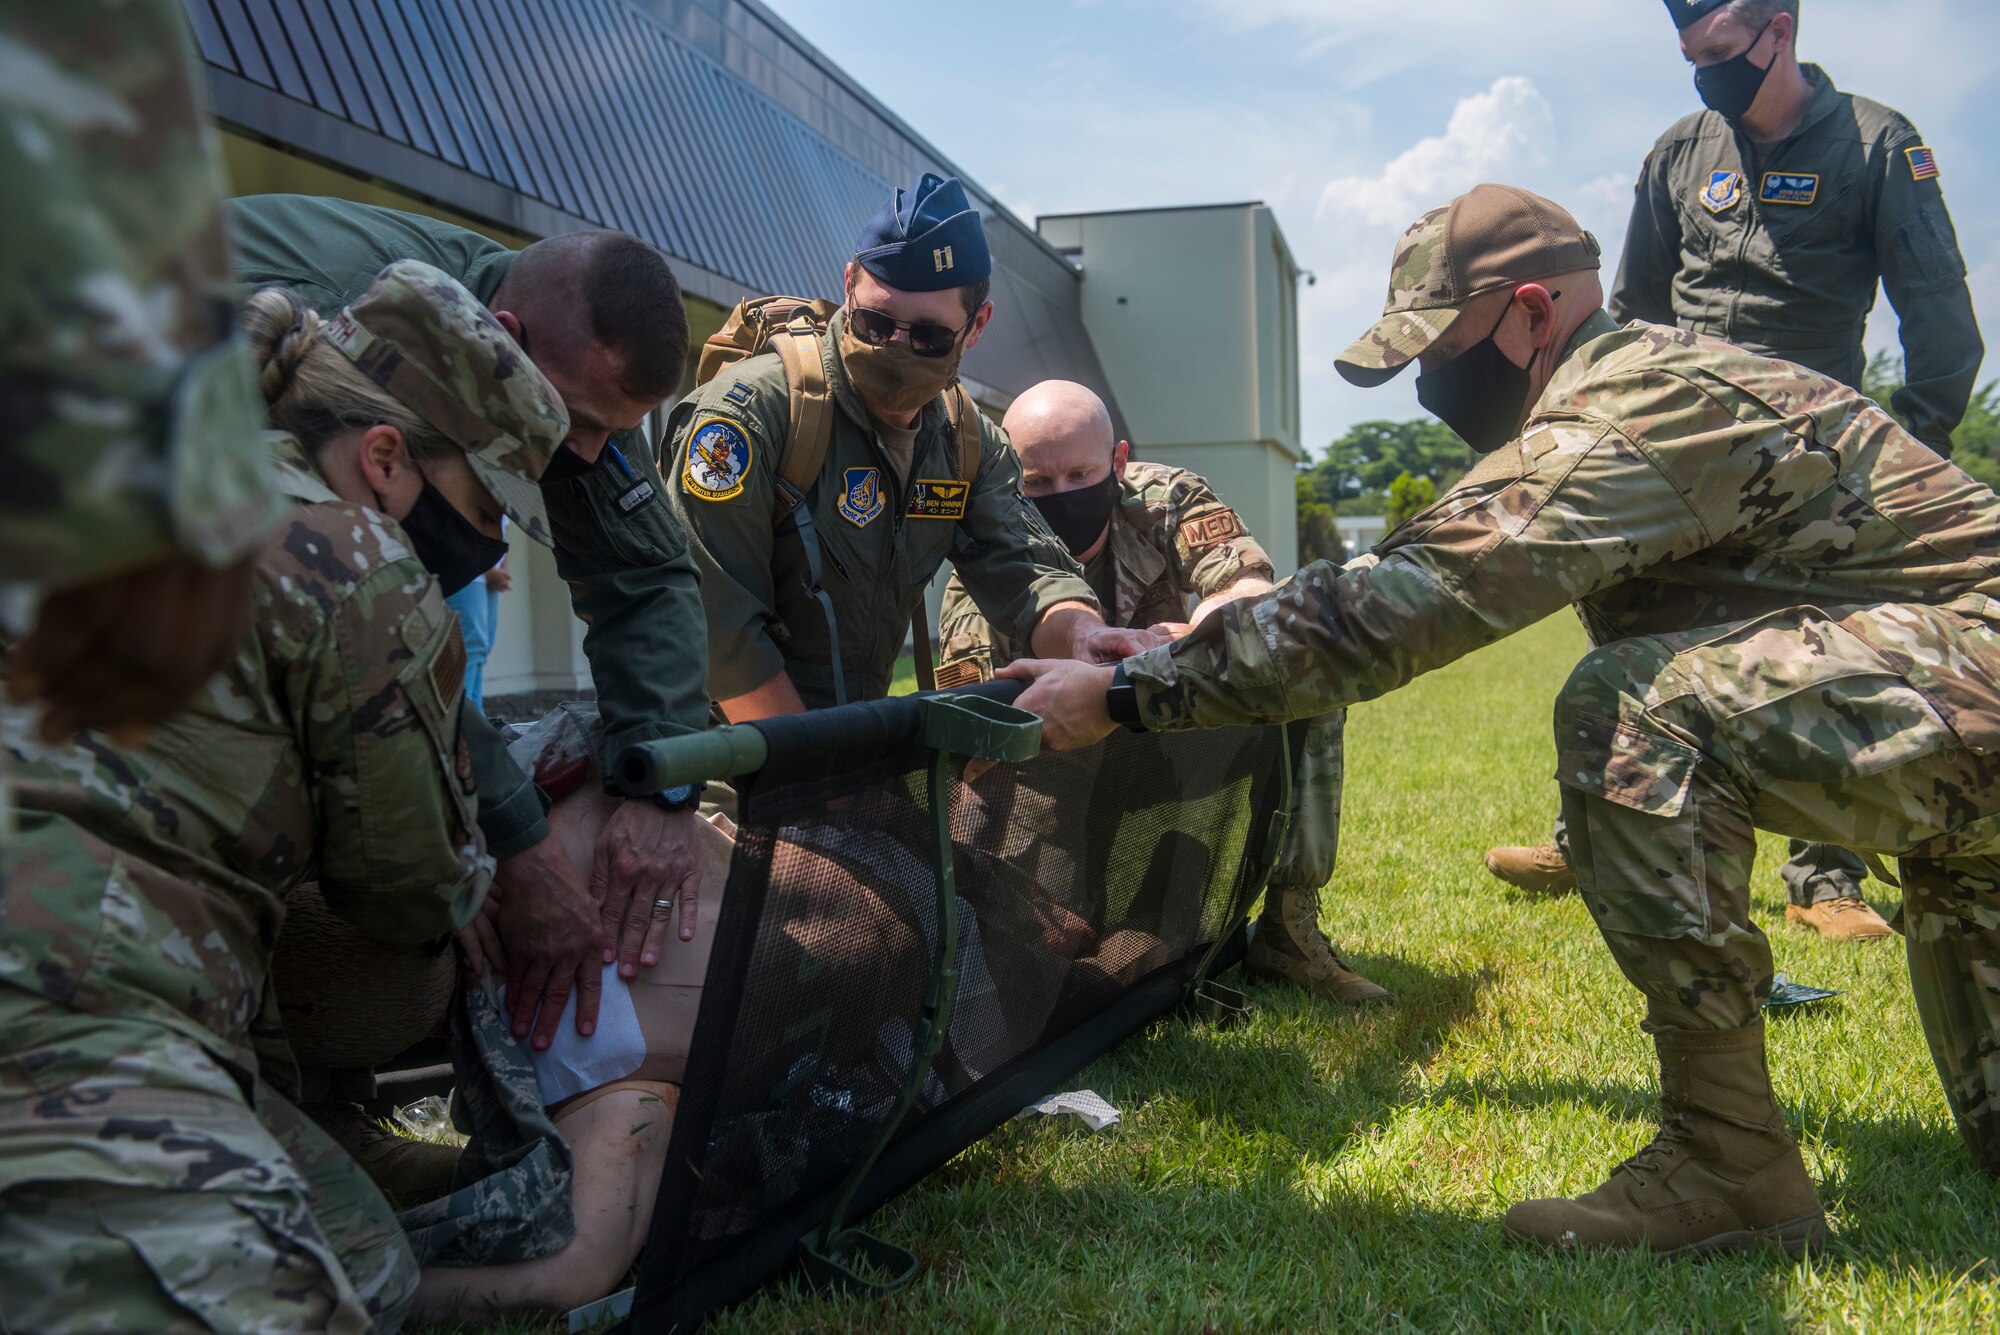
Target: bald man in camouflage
1160	549
1797	610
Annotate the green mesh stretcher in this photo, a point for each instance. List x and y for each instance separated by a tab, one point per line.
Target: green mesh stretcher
927	925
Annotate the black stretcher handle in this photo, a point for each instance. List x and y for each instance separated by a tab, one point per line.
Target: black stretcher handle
817	744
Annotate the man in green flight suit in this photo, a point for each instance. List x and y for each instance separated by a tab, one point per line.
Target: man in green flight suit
1797	610
601	316
893	499
1161	549
1767	220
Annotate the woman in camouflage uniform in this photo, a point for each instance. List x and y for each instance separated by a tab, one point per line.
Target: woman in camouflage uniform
152	1177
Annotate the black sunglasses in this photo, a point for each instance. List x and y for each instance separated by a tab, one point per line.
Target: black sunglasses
926	339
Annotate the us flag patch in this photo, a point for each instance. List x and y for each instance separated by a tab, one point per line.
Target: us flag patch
1923	163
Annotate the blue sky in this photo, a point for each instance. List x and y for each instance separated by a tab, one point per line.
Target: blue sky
1352	118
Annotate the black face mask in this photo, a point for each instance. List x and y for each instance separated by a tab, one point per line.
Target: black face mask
1479	393
1079	517
447	543
1729	87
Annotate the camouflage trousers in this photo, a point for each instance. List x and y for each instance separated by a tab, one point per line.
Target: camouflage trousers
146	1187
1312	847
1877	728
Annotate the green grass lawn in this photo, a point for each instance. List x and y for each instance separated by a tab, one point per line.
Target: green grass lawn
1320	1169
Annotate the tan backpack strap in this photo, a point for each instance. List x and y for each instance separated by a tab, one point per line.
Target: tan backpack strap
811	402
964	415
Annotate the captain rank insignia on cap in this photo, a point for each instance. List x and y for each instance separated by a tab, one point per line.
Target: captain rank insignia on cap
1723	190
718	460
1923	163
937	498
860	496
1788	188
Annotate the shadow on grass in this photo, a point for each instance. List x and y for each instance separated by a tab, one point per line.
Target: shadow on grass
1259	1254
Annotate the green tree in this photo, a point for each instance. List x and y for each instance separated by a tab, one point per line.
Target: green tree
1370	456
1408	495
1319	536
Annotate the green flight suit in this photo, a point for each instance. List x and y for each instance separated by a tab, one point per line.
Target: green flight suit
880	538
622	554
1777	248
1794	276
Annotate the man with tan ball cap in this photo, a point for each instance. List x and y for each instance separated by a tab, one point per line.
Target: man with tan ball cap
1794	606
1161	550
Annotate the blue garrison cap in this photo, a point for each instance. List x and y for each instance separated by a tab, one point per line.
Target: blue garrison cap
1687	13
927	239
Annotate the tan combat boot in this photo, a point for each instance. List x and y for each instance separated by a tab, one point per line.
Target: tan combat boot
1542	870
1845	919
409	1172
1723	1174
1288	945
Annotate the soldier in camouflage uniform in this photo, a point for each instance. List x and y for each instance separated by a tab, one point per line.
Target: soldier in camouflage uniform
1768	220
135	485
1159	548
154	1174
1797	605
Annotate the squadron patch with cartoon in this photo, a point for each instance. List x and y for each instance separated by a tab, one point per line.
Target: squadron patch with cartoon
718	460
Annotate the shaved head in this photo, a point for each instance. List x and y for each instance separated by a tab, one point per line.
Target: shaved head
1059	422
1064	437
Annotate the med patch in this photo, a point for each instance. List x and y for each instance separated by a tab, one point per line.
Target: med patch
937	498
1722	191
1211	528
718	460
860	496
1799	188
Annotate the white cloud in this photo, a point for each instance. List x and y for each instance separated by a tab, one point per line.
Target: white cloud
1491	135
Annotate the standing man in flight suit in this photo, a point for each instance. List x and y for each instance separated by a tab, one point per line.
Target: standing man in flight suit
1766	220
1159	546
890	505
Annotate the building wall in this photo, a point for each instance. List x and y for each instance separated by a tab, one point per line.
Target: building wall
1194	313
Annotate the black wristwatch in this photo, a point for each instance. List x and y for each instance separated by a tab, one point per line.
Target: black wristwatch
1121	701
677	799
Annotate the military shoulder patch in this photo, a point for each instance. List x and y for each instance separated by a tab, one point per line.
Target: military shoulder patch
739	393
938	498
1788	188
448	668
1211	528
1723	190
860	496
965	672
718	460
1923	163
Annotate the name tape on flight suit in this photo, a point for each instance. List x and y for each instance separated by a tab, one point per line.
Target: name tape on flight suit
1788	188
937	498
